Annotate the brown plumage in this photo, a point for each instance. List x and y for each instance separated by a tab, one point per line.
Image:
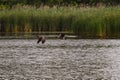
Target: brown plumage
41	39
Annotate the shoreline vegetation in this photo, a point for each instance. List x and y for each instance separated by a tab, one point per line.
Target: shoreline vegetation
84	22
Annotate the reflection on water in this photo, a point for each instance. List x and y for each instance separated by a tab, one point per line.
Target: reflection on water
60	60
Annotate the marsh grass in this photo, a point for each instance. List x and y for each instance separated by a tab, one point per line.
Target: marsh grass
90	22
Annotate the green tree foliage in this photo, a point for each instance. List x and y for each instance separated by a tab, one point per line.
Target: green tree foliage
38	3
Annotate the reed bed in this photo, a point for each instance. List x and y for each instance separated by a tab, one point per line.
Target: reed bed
89	22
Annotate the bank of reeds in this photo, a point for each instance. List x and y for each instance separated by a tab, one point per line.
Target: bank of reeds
102	22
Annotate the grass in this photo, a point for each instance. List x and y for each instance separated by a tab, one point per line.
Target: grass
89	22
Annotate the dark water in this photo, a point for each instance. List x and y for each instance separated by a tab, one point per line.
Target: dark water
60	60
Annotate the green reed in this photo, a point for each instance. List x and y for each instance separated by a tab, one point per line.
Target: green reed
102	22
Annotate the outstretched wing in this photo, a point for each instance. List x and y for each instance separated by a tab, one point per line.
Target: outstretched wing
39	39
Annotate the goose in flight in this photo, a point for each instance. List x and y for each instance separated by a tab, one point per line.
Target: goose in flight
62	36
41	39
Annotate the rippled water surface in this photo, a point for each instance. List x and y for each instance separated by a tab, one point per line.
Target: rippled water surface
60	60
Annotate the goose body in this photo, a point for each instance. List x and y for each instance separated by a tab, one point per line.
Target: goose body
41	39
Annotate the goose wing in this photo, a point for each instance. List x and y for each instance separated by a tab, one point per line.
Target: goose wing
39	39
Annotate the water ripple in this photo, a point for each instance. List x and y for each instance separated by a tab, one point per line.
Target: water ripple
60	60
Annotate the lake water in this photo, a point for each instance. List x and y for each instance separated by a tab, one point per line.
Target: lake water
71	59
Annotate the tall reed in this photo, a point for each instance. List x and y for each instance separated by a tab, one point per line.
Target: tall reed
102	22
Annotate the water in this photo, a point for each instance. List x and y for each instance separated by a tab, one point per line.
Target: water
60	60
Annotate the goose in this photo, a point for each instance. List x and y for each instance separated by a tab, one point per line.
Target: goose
41	38
62	36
